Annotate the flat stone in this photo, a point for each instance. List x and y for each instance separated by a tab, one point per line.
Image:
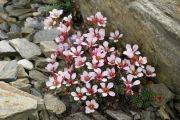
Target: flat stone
54	105
41	62
37	76
6	48
25	48
2	2
14	105
8	70
7	87
118	115
21	72
162	92
4	27
3	35
48	47
22	84
147	115
78	116
15	28
26	64
97	116
45	35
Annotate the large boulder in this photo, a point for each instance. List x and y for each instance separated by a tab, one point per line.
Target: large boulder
153	24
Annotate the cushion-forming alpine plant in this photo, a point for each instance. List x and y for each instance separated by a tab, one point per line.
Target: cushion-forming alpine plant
93	64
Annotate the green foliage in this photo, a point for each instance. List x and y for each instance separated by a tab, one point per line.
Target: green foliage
66	5
144	100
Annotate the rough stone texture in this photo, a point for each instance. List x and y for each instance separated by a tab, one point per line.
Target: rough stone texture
6	48
22	84
15	106
45	35
8	70
21	72
153	24
48	47
25	48
26	64
54	105
78	116
162	91
118	115
7	87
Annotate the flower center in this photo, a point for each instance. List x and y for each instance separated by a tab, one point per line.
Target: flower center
91	106
106	90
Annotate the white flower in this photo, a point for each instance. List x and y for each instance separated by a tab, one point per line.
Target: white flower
149	71
136	73
79	94
78	38
79	62
51	67
55	82
106	48
130	52
95	64
55	13
52	59
91	90
70	78
141	61
87	77
111	73
115	36
100	75
91	106
76	52
111	59
105	90
49	23
122	64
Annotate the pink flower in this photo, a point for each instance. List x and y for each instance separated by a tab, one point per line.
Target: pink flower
55	13
79	62
52	59
111	73
95	64
70	78
115	36
105	90
87	77
97	34
63	28
122	64
98	54
76	52
90	42
55	82
106	48
51	67
60	39
79	94
91	106
129	84
100	75
98	19
136	73
141	61
149	71
131	52
78	38
49	23
111	59
68	20
91	90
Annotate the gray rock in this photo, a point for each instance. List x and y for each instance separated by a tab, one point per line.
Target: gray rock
45	35
26	64
41	62
21	72
4	27
98	116
6	48
36	93
118	115
25	48
13	11
48	47
78	116
13	35
54	105
21	3
15	28
8	70
162	91
15	106
3	35
147	115
22	84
